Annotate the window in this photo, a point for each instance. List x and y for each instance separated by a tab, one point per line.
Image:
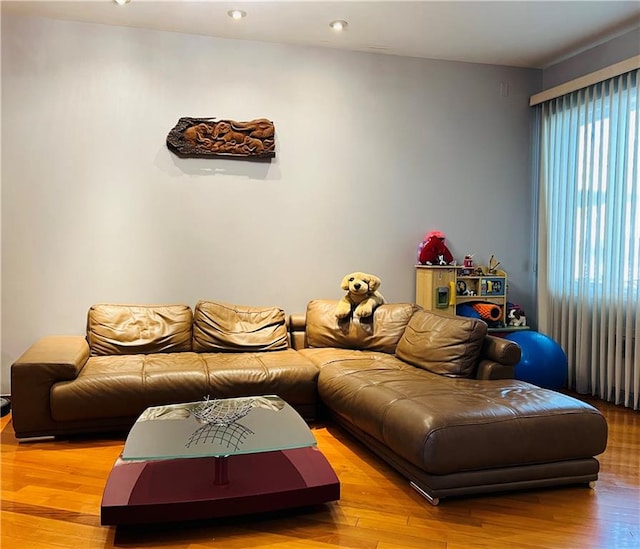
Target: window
596	196
589	229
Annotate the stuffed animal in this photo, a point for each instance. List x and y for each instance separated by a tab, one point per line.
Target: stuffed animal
433	250
362	294
516	317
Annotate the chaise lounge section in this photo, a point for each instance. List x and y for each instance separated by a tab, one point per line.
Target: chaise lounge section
429	410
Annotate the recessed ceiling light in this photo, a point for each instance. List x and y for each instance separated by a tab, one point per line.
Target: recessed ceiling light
236	14
338	25
121	2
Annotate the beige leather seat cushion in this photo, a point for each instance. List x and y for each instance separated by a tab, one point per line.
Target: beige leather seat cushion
123	386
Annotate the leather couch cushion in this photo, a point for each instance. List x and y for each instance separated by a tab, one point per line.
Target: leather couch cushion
138	329
123	386
225	327
443	345
378	333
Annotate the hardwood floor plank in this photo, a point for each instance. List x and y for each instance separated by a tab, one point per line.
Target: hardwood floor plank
19	542
54	530
428	544
51	492
492	544
44	512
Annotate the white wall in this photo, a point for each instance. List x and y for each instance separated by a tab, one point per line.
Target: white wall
373	152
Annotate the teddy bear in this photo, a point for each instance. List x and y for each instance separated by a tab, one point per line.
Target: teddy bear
362	293
433	250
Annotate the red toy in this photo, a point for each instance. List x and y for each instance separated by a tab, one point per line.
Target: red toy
433	250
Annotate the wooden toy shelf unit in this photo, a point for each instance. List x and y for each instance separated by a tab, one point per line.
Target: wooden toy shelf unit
442	289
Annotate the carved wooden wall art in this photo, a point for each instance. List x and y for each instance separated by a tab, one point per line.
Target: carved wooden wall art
207	137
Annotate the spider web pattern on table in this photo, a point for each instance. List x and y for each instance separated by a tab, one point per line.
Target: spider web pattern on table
220	418
230	436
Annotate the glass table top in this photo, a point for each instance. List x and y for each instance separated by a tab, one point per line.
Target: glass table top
217	428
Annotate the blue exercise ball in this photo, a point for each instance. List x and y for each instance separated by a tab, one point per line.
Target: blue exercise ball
543	361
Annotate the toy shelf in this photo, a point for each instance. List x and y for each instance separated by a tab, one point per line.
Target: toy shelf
443	288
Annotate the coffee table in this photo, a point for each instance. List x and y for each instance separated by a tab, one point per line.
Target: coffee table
216	458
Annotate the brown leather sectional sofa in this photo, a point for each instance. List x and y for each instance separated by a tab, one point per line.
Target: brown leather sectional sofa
431	395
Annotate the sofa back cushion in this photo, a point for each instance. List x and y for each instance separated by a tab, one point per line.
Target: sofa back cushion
139	329
224	327
445	345
381	332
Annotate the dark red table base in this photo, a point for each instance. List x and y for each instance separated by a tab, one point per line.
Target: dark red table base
186	489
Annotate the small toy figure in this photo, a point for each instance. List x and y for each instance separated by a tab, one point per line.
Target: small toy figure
516	317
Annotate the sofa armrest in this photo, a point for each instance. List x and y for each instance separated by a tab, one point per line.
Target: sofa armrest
488	369
48	361
500	350
498	358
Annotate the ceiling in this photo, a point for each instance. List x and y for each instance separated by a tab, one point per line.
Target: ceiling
518	33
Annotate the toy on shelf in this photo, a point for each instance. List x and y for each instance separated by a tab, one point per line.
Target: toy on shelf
433	250
517	318
493	265
463	289
515	315
489	312
467	266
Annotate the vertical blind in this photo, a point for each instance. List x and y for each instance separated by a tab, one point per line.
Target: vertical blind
589	235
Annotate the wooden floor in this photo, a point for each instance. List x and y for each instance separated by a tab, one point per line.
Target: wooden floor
51	494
